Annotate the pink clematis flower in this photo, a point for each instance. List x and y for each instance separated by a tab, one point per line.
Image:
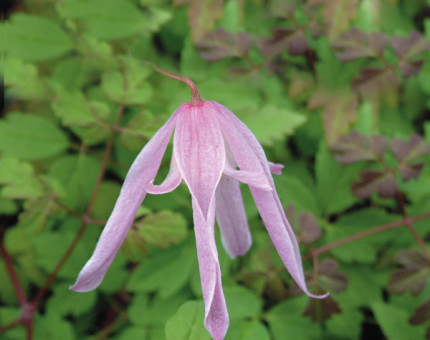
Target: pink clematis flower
209	144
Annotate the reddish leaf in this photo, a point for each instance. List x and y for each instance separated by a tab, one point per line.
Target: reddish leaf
322	310
410	68
415	268
283	39
409	47
221	44
202	16
309	230
356	44
356	147
422	314
408	151
330	277
376	82
384	183
339	111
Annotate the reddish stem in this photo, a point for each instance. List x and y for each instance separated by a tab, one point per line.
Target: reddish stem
13	277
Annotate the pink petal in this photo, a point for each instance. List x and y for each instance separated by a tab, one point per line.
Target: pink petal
170	183
276	168
133	192
216	315
250	156
255	179
231	217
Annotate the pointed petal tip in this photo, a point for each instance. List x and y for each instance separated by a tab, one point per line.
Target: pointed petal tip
318	296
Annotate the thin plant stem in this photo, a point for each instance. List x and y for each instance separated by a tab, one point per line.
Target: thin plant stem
365	233
12	274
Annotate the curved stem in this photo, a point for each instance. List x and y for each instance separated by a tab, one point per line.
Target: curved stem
12	274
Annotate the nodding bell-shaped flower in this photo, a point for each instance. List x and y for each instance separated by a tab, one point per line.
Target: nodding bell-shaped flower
212	152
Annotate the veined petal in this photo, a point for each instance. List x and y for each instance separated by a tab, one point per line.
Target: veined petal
231	217
133	192
250	156
276	168
252	178
170	183
198	146
216	315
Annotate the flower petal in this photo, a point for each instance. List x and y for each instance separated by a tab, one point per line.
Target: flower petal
250	156
255	179
276	168
170	183
231	217
133	192
216	315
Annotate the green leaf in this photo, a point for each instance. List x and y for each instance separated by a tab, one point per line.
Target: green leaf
242	302
394	322
51	327
247	330
333	182
7	206
67	302
30	137
29	37
271	123
187	323
285	321
19	180
23	80
166	272
105	201
128	86
163	229
105	20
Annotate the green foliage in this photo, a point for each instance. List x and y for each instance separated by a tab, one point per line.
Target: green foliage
336	91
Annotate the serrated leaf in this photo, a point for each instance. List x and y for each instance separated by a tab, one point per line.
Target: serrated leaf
187	323
202	16
128	86
339	111
322	310
330	277
421	314
30	137
273	123
406	48
22	80
356	147
413	274
162	229
221	44
33	38
105	20
382	182
283	39
356	44
19	180
338	14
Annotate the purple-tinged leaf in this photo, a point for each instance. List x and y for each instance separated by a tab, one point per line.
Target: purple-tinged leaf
407	151
376	82
221	44
410	68
384	183
409	47
356	147
356	44
322	310
309	230
283	39
422	314
330	277
413	274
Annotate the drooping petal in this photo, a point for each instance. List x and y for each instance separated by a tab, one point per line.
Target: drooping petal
276	168
216	315
255	179
170	183
133	192
231	217
250	156
198	146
